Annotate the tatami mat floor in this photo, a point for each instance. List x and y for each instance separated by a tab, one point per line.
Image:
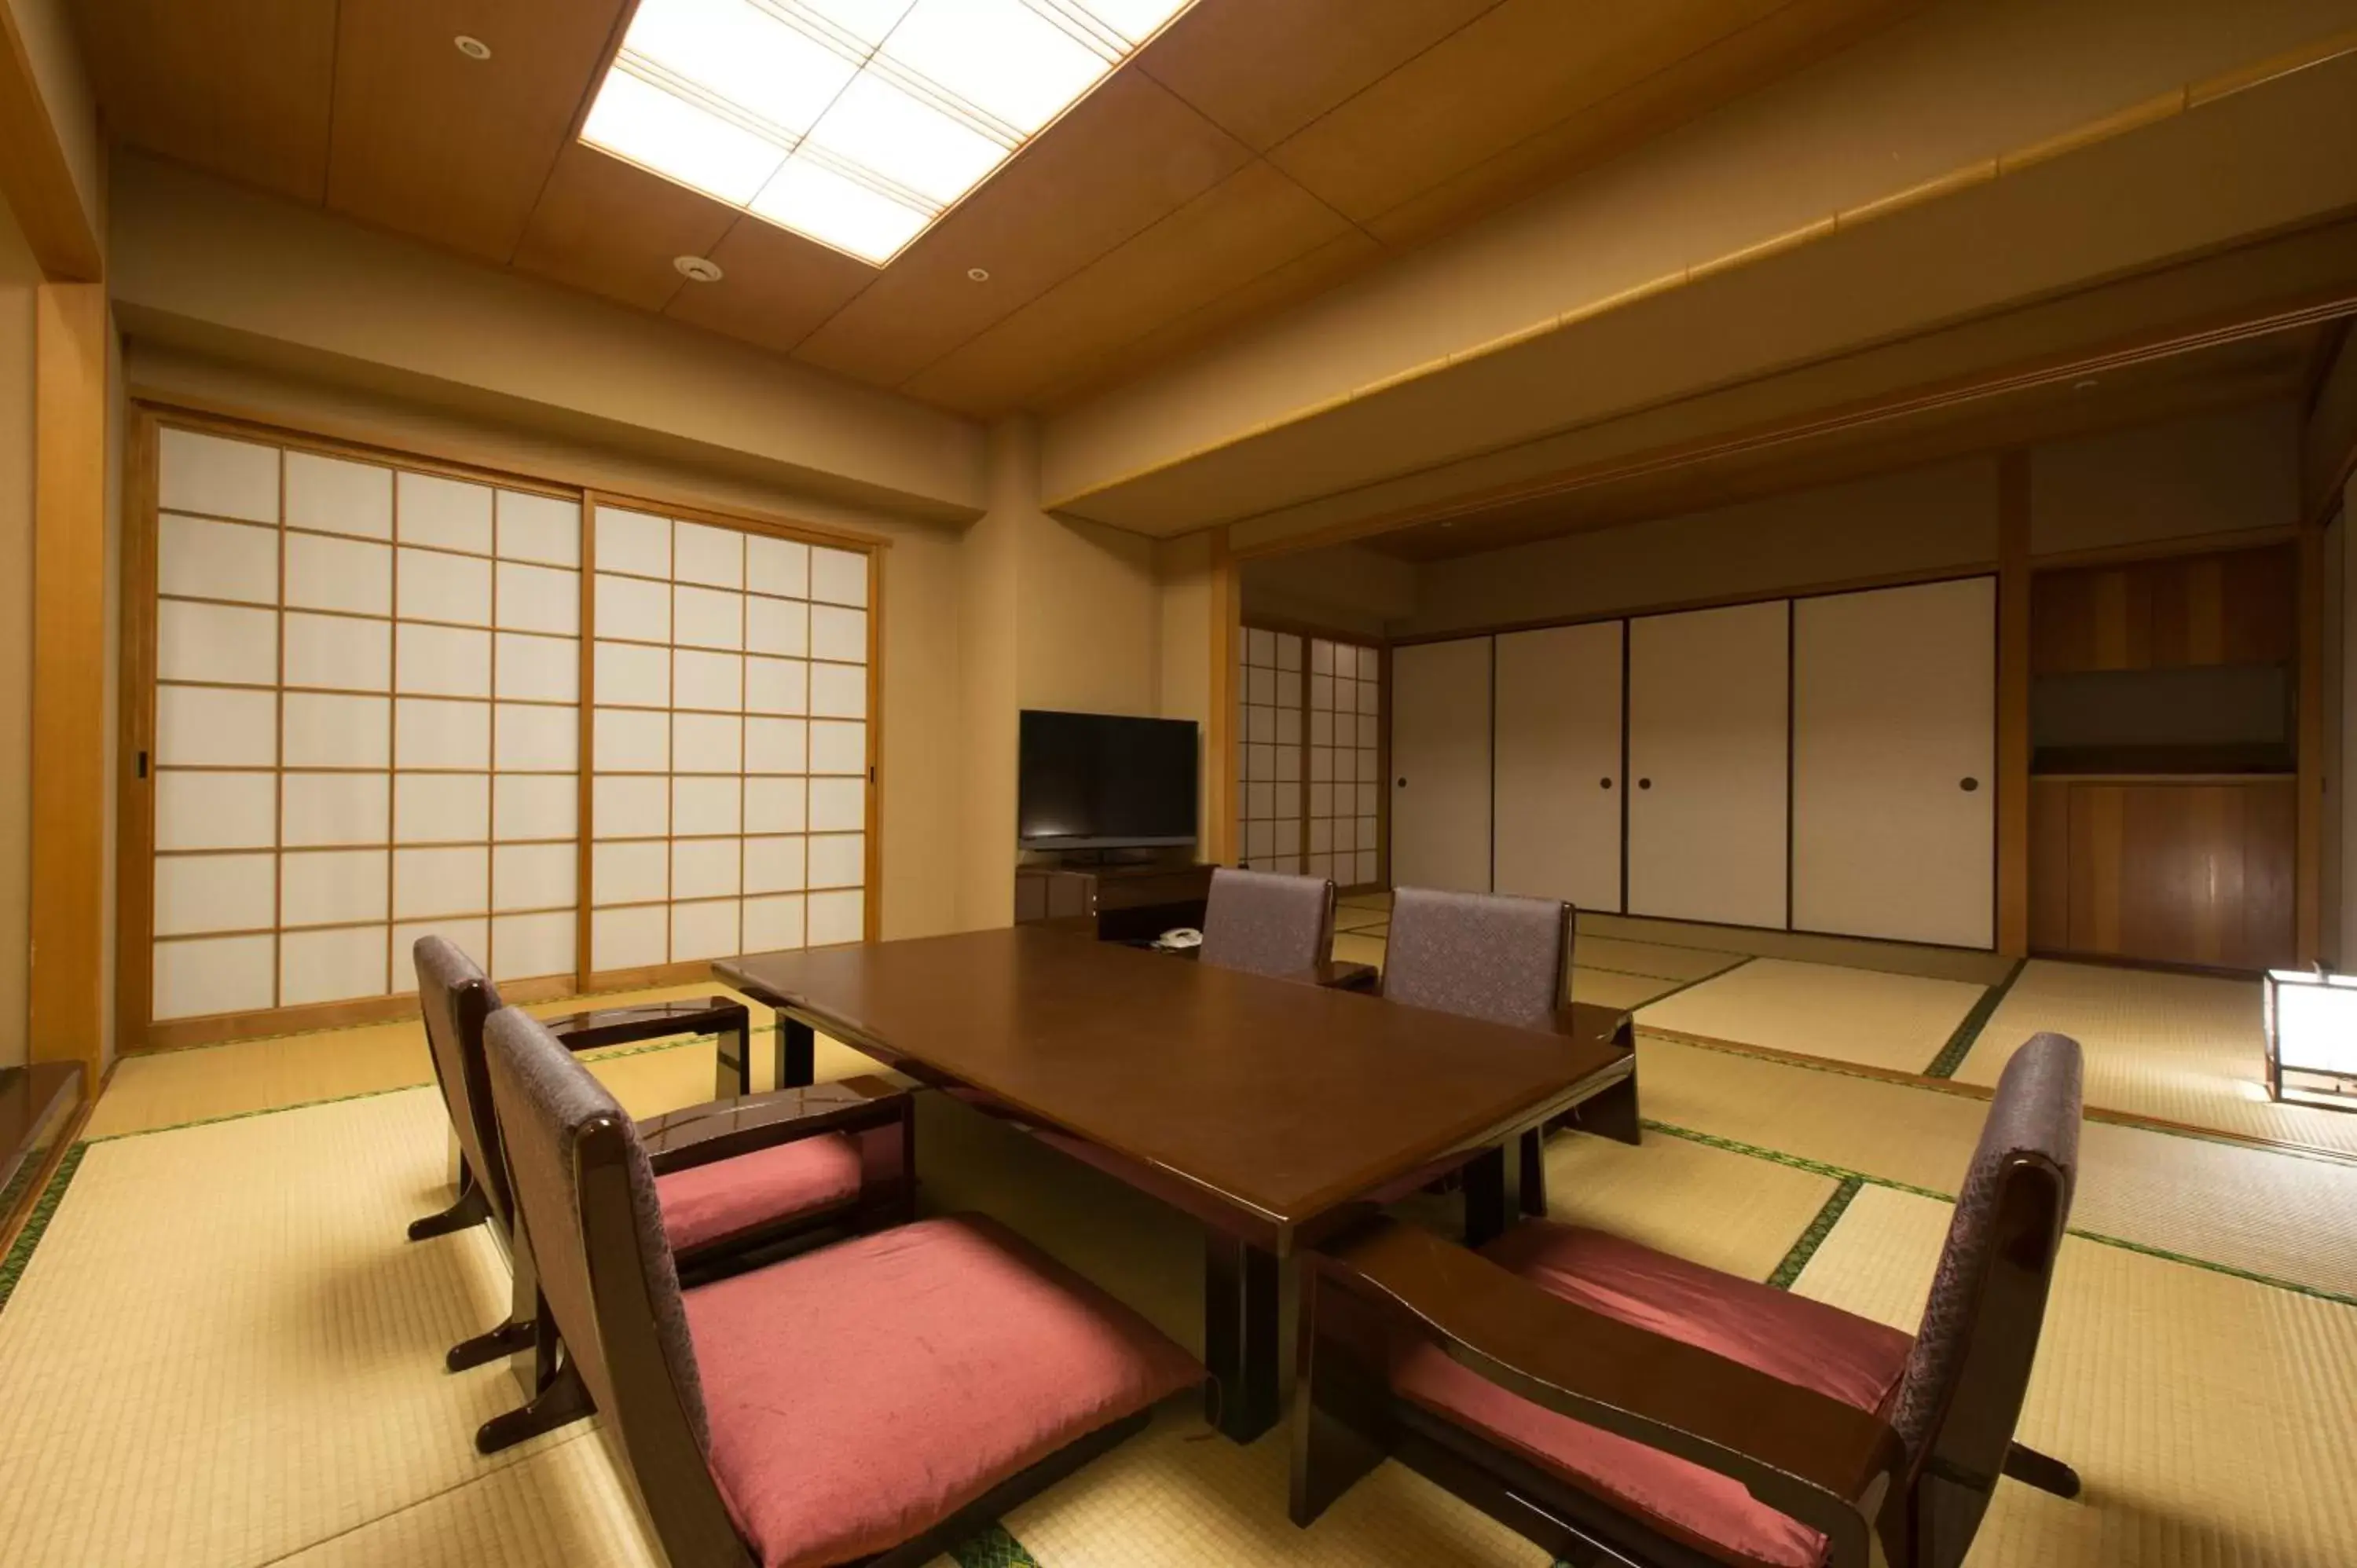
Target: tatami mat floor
221	1352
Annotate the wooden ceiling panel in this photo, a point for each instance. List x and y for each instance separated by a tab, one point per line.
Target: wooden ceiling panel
1512	72
775	286
611	228
450	149
1123	158
1796	35
1308	274
239	87
1250	224
1263	71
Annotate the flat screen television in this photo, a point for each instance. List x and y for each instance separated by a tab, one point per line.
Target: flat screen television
1094	782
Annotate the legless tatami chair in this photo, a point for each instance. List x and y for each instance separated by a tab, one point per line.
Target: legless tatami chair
878	1401
740	1174
1268	923
1615	1404
1479	955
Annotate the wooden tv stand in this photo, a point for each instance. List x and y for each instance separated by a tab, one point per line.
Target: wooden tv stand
1128	903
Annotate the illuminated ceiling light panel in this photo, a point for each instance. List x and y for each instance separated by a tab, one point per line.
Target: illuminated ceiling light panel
853	122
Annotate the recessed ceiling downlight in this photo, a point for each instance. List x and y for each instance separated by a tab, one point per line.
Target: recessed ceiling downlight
698	269
472	47
853	123
979	275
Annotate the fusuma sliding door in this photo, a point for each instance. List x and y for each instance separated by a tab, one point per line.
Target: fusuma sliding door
1558	788
365	728
1440	765
1894	734
1707	693
729	745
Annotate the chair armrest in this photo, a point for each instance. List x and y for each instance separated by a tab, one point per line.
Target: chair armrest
1822	1461
724	1129
602	1027
1591	1021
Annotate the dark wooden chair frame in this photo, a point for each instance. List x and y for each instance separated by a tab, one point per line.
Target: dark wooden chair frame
725	1019
734	1124
1835	1468
665	1460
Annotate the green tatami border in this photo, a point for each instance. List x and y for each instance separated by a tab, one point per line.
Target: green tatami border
1818	1168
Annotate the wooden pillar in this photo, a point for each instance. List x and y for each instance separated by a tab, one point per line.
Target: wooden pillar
69	784
2013	705
1220	846
2307	863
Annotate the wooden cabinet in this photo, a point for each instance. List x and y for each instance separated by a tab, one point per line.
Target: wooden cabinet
2192	871
2235	607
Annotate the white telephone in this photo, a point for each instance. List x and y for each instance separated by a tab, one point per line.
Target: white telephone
1180	939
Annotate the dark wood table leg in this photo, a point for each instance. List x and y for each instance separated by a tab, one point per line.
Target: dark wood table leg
732	1058
1494	1193
1242	1336
1613	1113
797	1053
1533	1153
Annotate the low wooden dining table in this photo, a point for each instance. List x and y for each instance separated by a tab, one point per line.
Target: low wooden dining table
1272	1110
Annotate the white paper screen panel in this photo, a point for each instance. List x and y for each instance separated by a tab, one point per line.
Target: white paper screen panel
1345	782
729	742
1270	761
367	701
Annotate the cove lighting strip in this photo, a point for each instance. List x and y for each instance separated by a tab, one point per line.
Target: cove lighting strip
853	123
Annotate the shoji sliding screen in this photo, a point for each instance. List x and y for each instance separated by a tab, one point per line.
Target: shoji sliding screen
730	743
368	697
365	726
1271	757
1311	759
1345	762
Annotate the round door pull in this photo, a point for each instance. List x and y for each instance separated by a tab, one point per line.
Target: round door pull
1402	783
1604	783
1970	785
1644	783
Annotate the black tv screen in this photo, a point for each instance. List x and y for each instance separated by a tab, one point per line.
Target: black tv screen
1094	781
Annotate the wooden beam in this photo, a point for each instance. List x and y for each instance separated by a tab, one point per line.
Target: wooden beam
69	675
36	175
2307	863
2013	589
1227	627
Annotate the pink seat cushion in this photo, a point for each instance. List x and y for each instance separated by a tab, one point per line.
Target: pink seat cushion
860	1394
705	1203
1789	1336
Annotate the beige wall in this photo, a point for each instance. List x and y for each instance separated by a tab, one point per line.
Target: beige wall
1343	589
2213	474
48	35
920	774
18	277
2216	473
1057	614
1182	568
1921	520
224	271
1909	105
